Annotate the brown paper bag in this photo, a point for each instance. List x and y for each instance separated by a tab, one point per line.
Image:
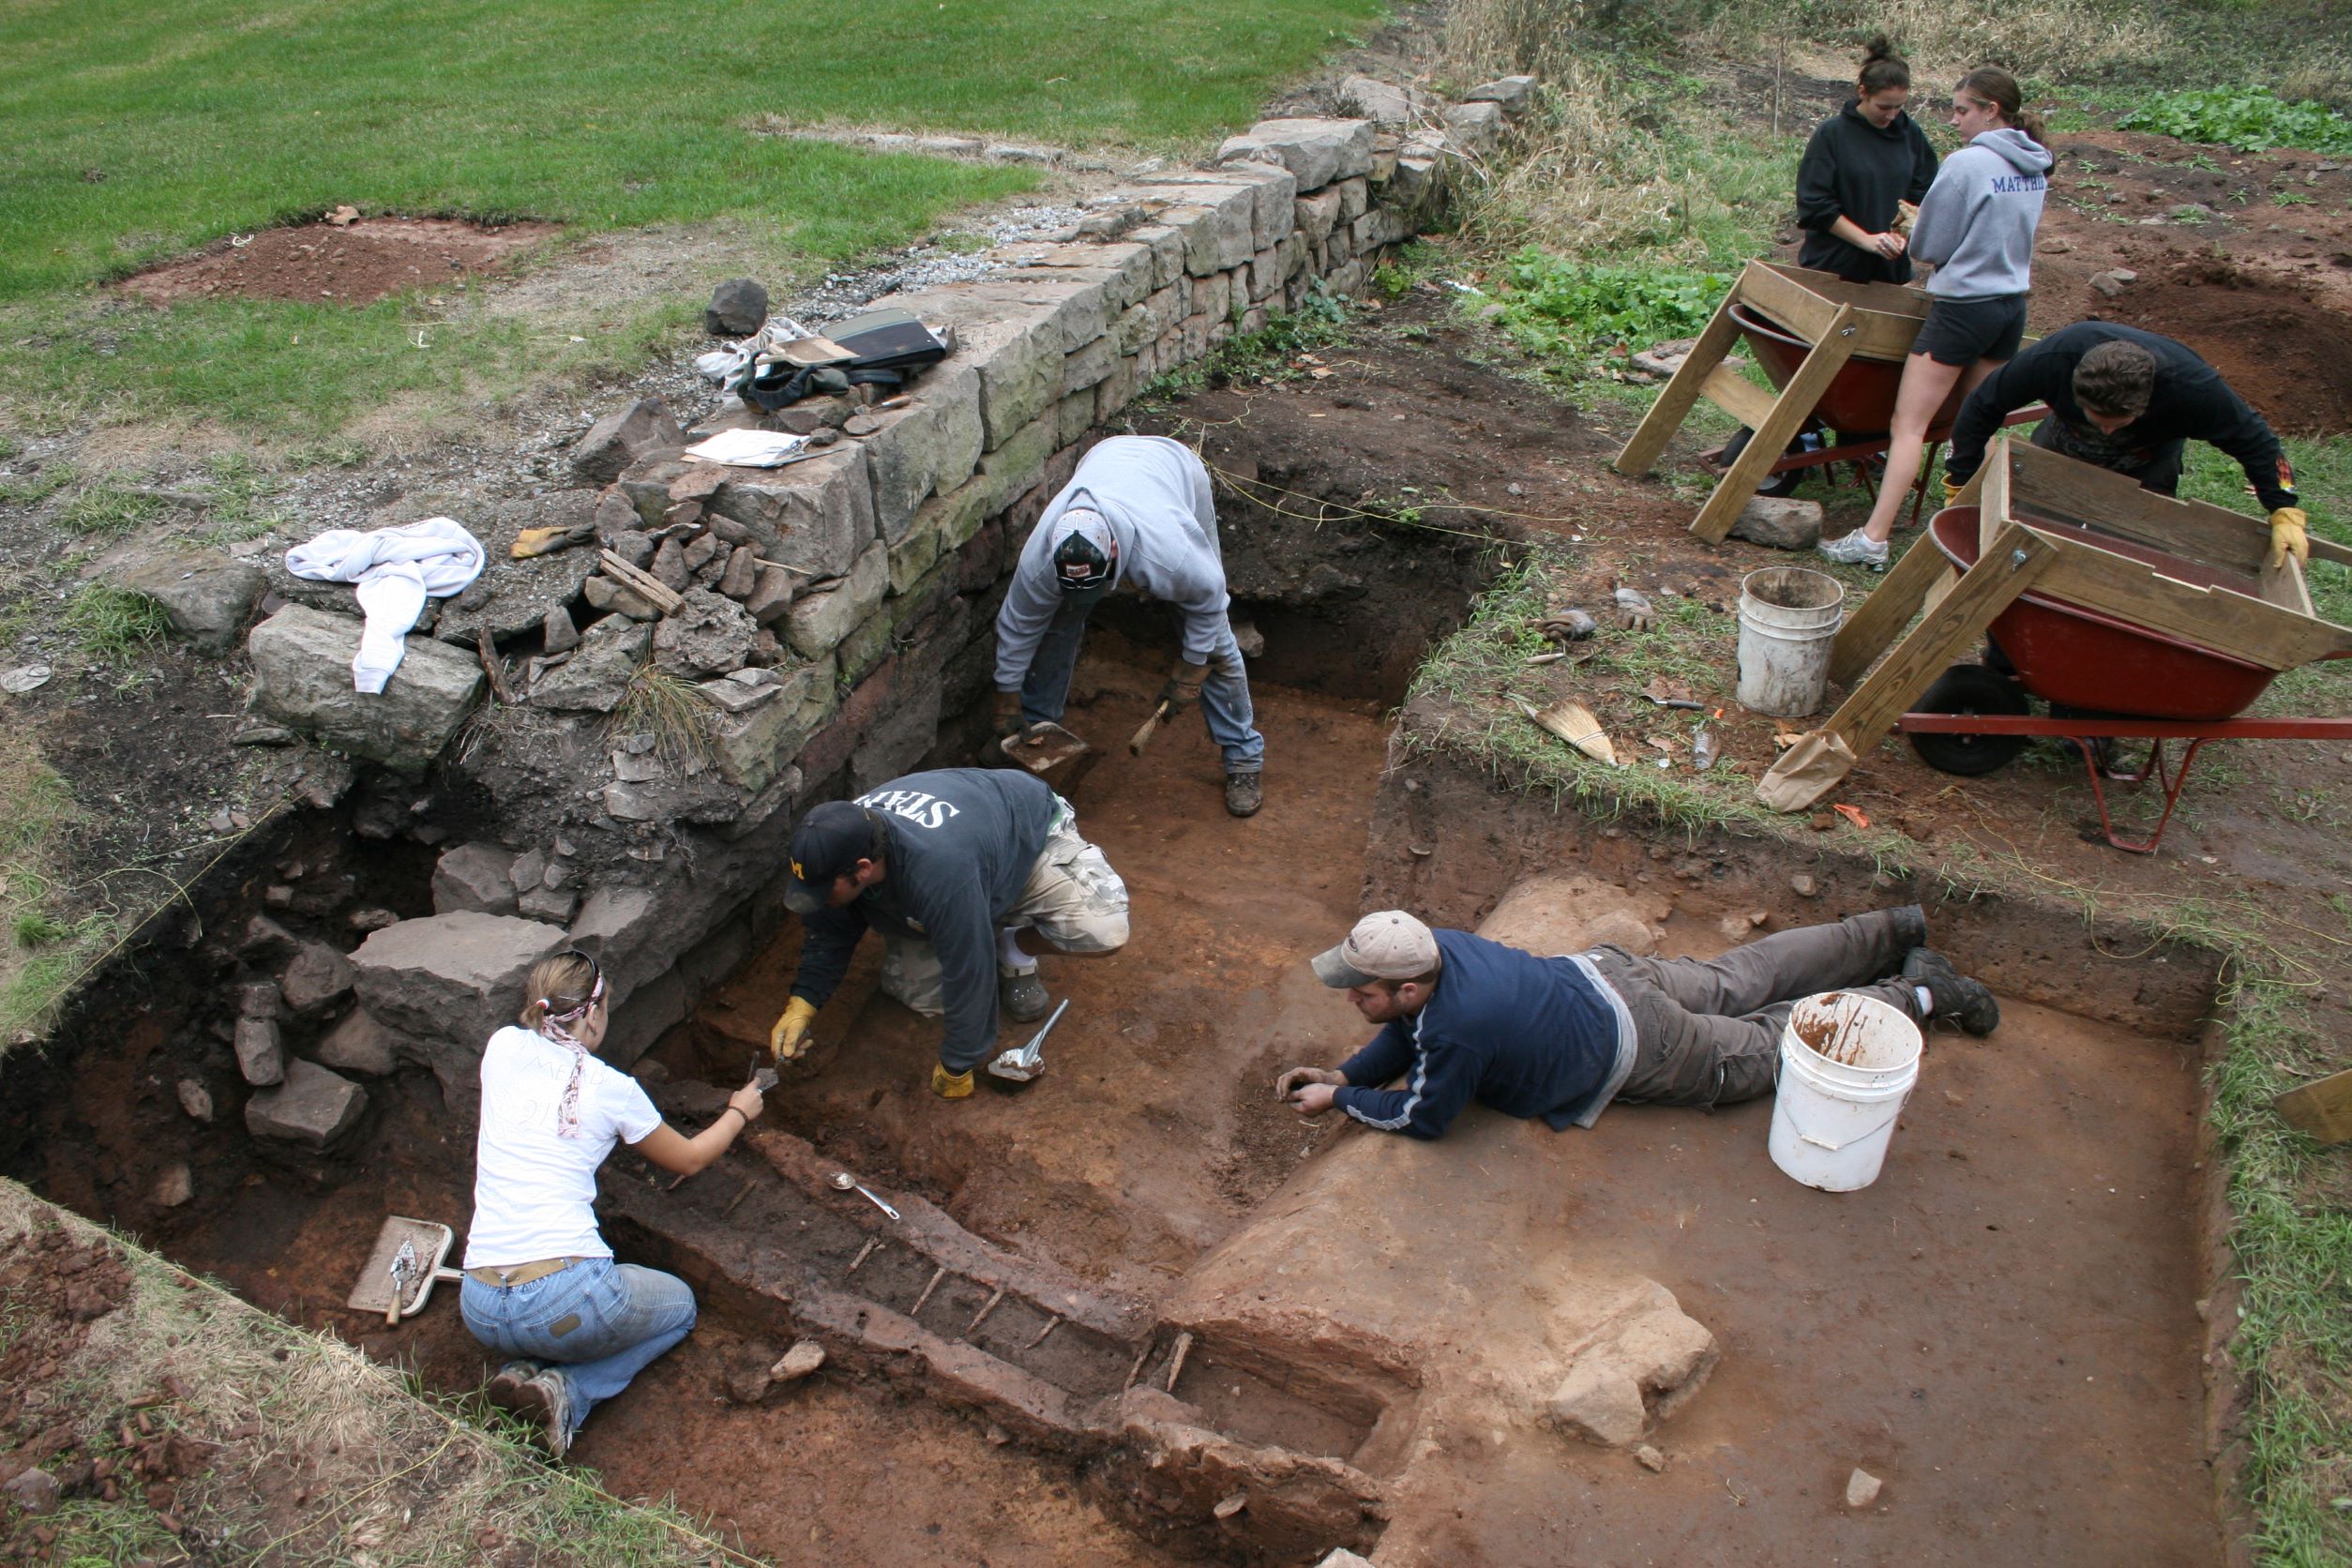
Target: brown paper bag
1805	772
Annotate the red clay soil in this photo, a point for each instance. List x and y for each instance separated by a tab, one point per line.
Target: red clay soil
54	1288
1154	1129
1999	1329
2263	289
369	260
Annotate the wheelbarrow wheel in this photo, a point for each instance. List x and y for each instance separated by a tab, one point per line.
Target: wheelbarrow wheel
1775	483
1971	688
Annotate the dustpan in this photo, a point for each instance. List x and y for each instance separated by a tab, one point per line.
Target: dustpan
410	1256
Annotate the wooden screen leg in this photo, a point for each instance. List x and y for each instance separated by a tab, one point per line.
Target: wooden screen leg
1886	612
2018	556
1773	437
1674	404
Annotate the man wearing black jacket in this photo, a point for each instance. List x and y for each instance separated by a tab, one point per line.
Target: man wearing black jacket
949	866
2129	401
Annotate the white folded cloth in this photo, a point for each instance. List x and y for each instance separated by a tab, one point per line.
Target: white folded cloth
396	569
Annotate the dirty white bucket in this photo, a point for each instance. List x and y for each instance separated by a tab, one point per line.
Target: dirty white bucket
1787	618
1846	1064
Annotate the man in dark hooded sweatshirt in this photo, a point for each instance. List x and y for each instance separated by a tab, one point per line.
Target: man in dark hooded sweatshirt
1860	168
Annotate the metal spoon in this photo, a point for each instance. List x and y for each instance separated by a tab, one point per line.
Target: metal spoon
844	1182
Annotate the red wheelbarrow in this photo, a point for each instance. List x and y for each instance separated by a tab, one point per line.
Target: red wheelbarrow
1856	409
1834	353
2104	679
2133	616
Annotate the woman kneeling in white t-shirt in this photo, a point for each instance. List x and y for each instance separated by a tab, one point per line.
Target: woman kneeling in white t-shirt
540	1284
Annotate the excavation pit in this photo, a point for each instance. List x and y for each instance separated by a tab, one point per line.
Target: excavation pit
1361	1332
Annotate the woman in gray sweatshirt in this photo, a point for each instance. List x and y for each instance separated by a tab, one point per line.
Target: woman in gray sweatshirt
1975	228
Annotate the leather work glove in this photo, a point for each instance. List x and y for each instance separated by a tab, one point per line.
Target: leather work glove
1008	714
2289	536
1635	612
789	1037
1184	688
951	1086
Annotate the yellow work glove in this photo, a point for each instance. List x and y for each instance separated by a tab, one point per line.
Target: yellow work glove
789	1037
950	1086
2289	536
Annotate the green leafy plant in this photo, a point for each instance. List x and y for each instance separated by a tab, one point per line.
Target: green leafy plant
1575	310
2248	119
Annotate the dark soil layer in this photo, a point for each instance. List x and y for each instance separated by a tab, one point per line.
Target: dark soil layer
355	264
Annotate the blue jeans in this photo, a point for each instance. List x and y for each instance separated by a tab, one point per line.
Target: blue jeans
595	1324
1224	700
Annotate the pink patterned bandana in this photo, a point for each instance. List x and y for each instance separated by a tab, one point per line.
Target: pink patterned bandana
551	1027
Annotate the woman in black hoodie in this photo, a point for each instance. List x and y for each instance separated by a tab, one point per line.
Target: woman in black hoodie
1860	165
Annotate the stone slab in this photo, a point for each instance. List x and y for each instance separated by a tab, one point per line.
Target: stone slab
314	1108
302	678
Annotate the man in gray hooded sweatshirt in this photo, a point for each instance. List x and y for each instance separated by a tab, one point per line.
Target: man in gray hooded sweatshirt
1136	515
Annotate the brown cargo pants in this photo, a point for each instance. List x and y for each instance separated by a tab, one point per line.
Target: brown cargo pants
1707	1031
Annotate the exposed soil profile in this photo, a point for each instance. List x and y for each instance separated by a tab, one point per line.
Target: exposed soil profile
367	260
2282	351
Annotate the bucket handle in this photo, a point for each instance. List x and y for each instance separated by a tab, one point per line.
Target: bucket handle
1804	1137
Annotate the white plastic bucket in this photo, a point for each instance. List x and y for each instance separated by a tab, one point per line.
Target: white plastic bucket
1846	1064
1787	619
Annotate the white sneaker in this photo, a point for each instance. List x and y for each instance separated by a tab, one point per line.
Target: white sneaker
1857	549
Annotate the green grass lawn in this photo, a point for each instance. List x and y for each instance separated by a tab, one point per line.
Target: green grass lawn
130	132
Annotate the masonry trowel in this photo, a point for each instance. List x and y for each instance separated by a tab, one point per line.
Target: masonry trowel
1016	1070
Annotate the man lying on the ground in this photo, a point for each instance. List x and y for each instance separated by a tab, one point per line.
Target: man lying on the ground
948	866
1464	1019
2130	402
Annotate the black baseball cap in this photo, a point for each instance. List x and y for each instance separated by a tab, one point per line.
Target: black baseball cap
829	843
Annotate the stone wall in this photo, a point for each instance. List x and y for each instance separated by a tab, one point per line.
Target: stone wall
830	612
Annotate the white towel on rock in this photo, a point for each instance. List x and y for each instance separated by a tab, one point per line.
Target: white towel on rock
396	569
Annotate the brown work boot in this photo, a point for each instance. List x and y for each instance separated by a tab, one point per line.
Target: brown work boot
539	1396
1244	794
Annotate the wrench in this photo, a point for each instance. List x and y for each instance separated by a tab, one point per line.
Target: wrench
844	1182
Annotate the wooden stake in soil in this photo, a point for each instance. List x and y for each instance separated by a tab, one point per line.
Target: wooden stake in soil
982	1315
1176	1362
863	1252
937	1275
1052	1323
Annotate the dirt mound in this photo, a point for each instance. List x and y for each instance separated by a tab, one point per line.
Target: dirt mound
2286	353
353	264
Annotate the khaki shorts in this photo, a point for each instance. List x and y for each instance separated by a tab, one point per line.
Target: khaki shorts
1073	899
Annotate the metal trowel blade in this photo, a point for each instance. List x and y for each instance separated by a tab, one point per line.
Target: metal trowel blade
1016	1070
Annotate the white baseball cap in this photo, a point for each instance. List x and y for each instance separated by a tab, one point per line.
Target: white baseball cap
1388	944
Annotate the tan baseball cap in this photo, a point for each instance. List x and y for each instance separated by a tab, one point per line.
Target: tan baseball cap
1389	945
